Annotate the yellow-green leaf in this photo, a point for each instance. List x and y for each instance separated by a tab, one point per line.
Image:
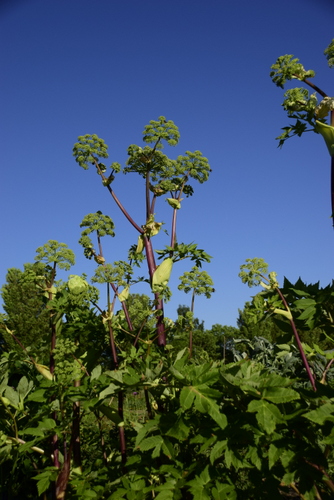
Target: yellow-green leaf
174	203
327	133
44	370
162	273
124	294
140	244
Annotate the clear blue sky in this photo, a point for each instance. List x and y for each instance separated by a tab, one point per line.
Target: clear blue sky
73	67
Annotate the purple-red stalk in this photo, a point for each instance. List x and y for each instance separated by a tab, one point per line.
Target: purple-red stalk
299	344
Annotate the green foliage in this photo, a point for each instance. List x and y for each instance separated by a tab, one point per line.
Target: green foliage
56	253
286	68
120	273
161	129
182	251
120	413
329	53
298	103
98	222
24	305
197	281
237	429
87	147
252	272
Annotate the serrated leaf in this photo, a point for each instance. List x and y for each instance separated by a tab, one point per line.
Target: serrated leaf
37	396
24	387
176	373
267	414
187	397
253	456
150	442
304	303
96	372
33	431
217	450
321	414
12	396
179	430
280	394
111	389
274	454
224	492
307	313
217	416
43	485
165	495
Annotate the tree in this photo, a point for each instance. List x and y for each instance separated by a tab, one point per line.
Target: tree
224	335
25	307
252	323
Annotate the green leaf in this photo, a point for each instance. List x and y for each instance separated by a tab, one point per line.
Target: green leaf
24	387
96	372
150	442
43	485
33	431
178	375
111	389
224	492
38	396
124	294
254	457
187	397
307	313
165	495
179	430
110	413
274	454
304	303
280	394
217	450
174	203
162	273
327	132
267	414
321	414
12	396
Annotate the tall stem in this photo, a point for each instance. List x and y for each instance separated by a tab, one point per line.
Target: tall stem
332	170
173	235
121	428
161	339
119	204
314	87
299	344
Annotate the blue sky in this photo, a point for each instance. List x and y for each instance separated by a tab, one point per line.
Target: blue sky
108	67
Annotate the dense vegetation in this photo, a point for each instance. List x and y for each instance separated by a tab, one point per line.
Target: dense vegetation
123	403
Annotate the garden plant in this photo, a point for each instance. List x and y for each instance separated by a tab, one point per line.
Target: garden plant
104	406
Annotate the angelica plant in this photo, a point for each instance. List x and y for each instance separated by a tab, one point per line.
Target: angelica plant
163	177
253	273
308	112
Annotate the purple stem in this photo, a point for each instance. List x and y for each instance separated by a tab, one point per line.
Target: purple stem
299	344
332	170
161	339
